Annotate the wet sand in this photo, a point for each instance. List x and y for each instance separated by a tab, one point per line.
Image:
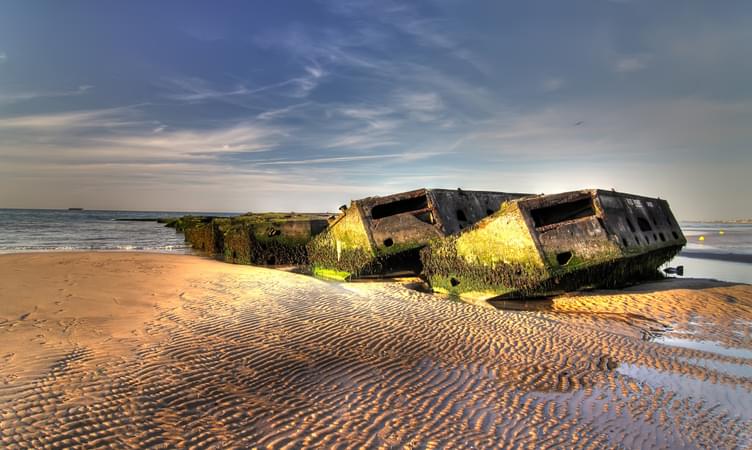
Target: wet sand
172	351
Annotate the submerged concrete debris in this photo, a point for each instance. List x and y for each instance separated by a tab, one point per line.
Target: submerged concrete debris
542	245
266	238
379	235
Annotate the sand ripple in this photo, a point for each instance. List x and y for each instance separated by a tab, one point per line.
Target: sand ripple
258	358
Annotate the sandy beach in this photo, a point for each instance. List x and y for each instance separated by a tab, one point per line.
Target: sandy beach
174	351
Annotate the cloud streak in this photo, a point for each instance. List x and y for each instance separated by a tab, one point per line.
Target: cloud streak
33	95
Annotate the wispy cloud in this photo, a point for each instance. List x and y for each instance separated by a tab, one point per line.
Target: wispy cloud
123	135
197	90
552	84
631	63
364	112
3	57
101	118
240	138
340	159
430	32
281	112
303	85
32	95
374	133
421	106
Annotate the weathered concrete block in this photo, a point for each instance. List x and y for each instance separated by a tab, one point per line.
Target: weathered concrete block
271	238
207	236
267	238
541	245
376	235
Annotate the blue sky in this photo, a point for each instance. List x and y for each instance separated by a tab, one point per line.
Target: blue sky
237	106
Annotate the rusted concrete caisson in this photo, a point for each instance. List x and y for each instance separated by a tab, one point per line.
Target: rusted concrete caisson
379	235
542	245
266	238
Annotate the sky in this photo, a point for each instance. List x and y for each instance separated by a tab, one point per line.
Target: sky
305	105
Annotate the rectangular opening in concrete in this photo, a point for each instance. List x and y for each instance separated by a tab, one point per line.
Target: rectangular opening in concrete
563	212
643	224
413	204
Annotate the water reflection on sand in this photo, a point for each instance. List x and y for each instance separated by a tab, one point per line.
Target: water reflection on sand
702	330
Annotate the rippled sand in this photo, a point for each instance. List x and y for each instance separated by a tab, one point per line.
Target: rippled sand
139	350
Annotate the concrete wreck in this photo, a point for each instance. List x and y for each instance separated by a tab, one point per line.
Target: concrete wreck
547	244
477	244
382	235
253	238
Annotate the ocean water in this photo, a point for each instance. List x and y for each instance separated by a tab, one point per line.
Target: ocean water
724	253
27	230
718	238
716	250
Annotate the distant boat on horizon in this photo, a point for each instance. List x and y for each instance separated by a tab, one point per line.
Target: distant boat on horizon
75	209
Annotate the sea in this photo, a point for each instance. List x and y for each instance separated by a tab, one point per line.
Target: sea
35	230
714	250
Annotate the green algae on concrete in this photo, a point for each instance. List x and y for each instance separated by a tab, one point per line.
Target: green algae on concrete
331	274
548	244
254	238
206	237
383	235
181	223
343	249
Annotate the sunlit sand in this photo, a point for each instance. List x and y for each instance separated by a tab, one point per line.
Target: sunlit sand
141	350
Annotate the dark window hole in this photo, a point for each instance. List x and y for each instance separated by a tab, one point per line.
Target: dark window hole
624	242
563	258
454	282
655	237
399	207
637	240
663	238
489	212
631	227
563	212
676	236
643	224
425	217
388	242
461	216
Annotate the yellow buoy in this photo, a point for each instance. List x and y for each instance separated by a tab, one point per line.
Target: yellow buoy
721	232
701	238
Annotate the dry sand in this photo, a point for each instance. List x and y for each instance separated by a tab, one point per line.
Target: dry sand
146	350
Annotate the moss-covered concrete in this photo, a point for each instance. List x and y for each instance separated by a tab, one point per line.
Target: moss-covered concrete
344	247
331	274
266	238
504	255
380	235
181	223
455	275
